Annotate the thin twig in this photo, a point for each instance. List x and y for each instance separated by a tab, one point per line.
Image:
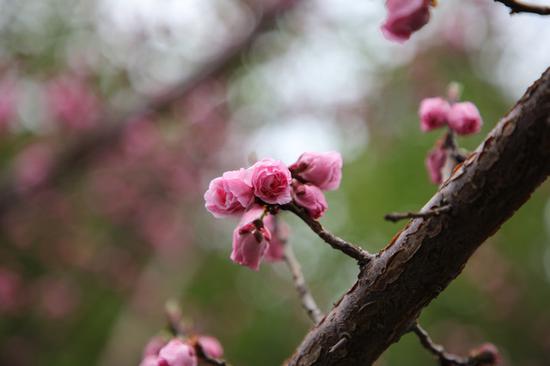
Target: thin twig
308	302
448	359
396	216
521	7
361	255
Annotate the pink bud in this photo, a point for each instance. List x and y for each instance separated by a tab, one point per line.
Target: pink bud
271	181
153	347
404	18
321	169
434	163
433	113
311	198
250	241
487	354
464	118
229	194
279	232
177	353
211	346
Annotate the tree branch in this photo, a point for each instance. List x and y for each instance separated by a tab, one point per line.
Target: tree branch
422	259
521	7
361	255
83	150
396	216
308	302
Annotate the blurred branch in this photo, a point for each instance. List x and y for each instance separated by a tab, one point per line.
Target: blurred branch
448	359
308	302
361	255
396	216
521	7
425	256
81	152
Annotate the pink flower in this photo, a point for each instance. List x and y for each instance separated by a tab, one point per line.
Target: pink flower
229	194
150	361
279	232
433	113
177	353
271	181
250	239
321	169
211	346
72	103
153	347
311	198
404	18
33	165
434	163
464	118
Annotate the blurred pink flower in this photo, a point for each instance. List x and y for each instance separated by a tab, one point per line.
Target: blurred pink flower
464	118
271	181
404	18
433	113
8	100
321	169
10	291
250	242
33	165
150	361
72	102
177	353
279	232
434	163
211	346
57	298
311	198
229	194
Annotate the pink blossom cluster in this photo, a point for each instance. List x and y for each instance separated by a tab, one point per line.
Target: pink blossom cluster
180	352
404	18
463	117
253	194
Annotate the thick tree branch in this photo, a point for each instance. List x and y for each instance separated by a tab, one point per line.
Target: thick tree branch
422	259
82	151
361	255
521	7
308	302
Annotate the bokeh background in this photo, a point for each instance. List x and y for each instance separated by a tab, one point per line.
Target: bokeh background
101	211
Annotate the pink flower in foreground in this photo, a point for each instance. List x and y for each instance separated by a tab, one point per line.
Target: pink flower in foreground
404	18
211	346
311	198
434	163
271	181
321	169
433	113
464	118
229	194
279	232
250	239
177	353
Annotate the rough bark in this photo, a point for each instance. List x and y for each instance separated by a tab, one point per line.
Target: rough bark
425	256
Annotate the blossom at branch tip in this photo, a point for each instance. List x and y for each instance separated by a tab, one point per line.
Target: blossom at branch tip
404	18
250	239
321	169
435	161
433	113
229	194
270	180
177	353
311	198
464	118
210	346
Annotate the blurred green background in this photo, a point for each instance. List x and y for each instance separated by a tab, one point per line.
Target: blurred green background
88	262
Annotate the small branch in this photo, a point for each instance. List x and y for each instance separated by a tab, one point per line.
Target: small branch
521	7
361	255
448	359
207	359
396	216
299	282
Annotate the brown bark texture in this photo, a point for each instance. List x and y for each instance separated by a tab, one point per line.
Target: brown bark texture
428	253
